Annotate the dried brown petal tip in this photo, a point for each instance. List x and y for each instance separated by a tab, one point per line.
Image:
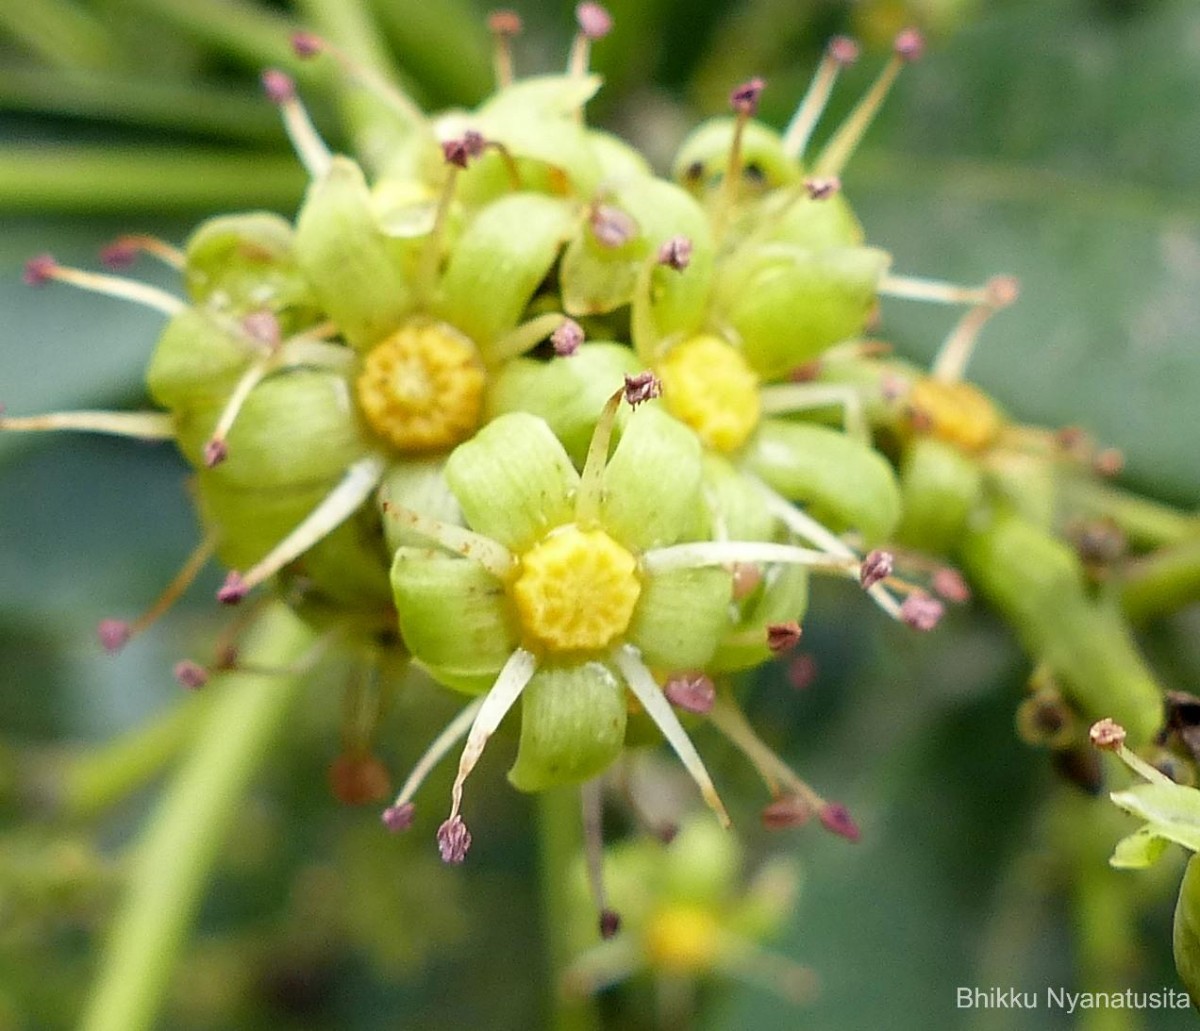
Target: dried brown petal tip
39	270
783	636
398	818
233	590
190	674
113	634
921	612
307	44
786	812
822	187
643	387
567	339
453	840
842	49
949	583
836	817
594	20
676	253
875	567
504	23
909	45
278	86
610	923
1108	735
744	98
692	692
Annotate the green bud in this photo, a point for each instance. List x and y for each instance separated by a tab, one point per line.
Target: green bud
940	487
680	617
794	217
351	264
842	481
572	726
617	159
782	596
789	304
197	360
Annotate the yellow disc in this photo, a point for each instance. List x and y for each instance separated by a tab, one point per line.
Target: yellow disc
958	413
682	939
708	385
421	389
576	590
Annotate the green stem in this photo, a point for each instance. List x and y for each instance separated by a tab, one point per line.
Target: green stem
179	847
560	841
1162	582
89	783
62	34
99	179
177	105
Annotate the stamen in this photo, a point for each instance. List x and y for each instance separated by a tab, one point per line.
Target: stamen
1109	736
822	187
43	268
527	335
836	818
642	387
190	674
136	425
453	837
698	554
951	361
454	732
744	101
341	503
306	141
783	637
457	154
215	449
875	568
785	813
781	780
917	288
691	692
504	25
591	480
611	227
567	339
949	583
609	920
907	47
594	23
124	249
492	555
115	634
308	44
676	253
840	52
786	398
921	612
644	688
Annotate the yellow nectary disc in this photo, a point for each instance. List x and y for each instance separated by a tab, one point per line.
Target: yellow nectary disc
708	385
682	939
421	388
958	413
576	590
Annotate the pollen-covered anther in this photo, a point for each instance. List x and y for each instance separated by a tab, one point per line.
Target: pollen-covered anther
786	812
691	691
641	387
843	50
504	23
711	387
950	584
921	612
215	452
233	590
278	86
307	44
875	568
453	840
421	389
744	98
610	923
397	818
123	251
909	45
1108	735
822	187
190	674
113	634
576	590
676	253
836	818
567	339
263	328
611	226
461	150
782	637
594	20
1109	462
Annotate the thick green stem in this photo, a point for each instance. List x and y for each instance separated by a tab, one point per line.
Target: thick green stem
95	179
180	845
561	840
1162	582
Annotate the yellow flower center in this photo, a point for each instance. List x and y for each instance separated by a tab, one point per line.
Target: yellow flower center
958	413
682	939
421	389
576	590
708	385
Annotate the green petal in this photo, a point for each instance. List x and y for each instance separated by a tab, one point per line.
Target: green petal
789	304
1171	810
783	596
197	360
418	484
513	480
652	493
739	509
497	263
351	264
940	487
1144	847
249	523
572	726
453	613
793	217
703	158
617	159
841	481
296	428
568	393
702	864
680	617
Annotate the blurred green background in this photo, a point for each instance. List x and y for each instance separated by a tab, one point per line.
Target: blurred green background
1053	139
